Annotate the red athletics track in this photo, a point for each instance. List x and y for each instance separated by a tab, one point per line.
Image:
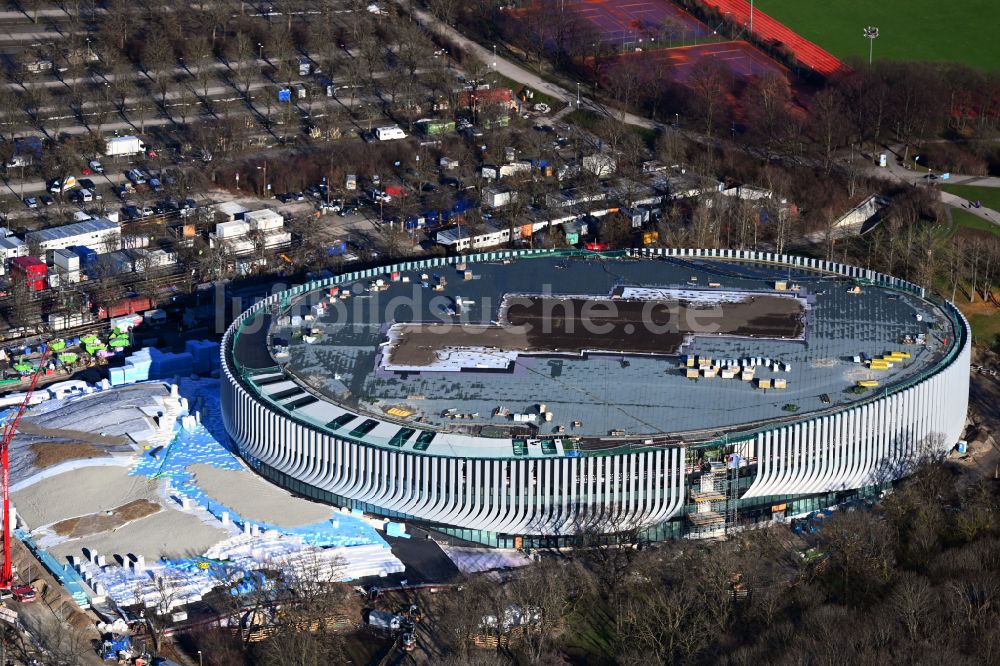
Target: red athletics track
808	54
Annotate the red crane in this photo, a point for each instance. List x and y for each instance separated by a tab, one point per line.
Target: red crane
7	573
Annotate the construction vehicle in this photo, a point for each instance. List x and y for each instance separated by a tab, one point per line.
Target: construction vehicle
23	593
7	572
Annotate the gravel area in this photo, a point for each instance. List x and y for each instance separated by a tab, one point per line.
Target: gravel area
169	533
80	492
256	499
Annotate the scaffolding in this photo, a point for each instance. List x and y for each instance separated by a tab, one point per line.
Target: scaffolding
713	508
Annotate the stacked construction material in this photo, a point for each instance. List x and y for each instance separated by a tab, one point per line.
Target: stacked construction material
166	365
204	355
136	369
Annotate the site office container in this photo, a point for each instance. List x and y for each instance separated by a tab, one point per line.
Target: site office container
31	270
87	256
126	306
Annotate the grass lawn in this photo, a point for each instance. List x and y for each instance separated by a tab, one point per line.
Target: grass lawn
939	30
966	220
984	319
990	196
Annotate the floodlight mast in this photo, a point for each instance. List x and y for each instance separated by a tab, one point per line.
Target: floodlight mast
871	34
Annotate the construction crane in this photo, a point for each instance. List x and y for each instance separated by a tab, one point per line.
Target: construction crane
7	573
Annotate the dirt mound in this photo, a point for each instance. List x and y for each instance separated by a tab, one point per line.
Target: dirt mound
104	521
48	454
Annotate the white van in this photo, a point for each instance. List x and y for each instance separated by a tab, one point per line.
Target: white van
389	133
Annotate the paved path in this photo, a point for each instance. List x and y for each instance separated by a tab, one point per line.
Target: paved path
900	173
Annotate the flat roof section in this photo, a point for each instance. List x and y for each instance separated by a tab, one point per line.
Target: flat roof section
640	322
801	343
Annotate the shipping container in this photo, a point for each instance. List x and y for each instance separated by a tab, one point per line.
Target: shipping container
31	270
126	306
87	256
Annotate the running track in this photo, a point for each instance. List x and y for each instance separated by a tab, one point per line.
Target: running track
766	28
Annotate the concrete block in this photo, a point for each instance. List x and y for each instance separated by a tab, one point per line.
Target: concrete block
225	518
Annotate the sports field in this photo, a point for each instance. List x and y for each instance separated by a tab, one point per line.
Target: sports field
940	30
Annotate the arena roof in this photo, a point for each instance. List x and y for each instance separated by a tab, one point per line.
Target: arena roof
339	357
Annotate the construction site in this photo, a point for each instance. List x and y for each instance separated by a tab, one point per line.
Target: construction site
543	387
126	505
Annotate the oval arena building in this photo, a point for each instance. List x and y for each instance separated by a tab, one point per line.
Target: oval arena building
524	398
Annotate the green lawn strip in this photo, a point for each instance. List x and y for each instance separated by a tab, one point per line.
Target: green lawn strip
965	220
935	30
985	329
990	196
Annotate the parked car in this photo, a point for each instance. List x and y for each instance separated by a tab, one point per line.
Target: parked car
31	202
47	200
96	166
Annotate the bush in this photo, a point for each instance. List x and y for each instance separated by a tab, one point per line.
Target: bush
946	157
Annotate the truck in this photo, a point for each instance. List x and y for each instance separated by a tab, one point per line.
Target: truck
124	145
